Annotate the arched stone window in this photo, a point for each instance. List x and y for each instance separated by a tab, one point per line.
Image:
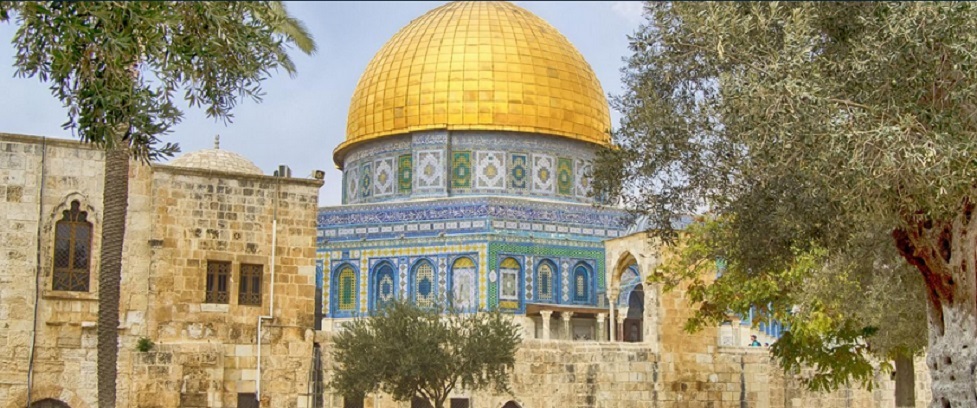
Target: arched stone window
384	286
49	403
72	250
582	284
509	270
423	284
345	288
464	284
546	282
629	280
511	404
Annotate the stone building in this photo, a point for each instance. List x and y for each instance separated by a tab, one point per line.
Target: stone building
211	246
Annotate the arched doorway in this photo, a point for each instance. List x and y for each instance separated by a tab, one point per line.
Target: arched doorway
49	403
511	404
633	322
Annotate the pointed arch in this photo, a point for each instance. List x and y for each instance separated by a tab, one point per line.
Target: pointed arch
72	250
423	283
510	278
547	281
629	279
344	298
582	283
383	285
626	261
463	281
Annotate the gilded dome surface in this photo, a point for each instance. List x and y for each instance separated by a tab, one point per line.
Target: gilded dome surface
478	66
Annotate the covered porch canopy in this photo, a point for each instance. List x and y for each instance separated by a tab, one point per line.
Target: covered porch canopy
566	312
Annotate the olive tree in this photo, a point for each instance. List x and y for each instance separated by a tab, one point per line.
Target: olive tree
808	127
411	352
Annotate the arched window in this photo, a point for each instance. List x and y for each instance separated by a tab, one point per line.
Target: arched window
384	287
72	250
546	286
629	280
424	291
49	403
509	270
464	295
581	284
346	289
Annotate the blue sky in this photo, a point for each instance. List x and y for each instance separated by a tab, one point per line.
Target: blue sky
302	119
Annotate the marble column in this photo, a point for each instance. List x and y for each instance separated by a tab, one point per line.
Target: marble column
546	315
567	329
612	303
622	313
601	332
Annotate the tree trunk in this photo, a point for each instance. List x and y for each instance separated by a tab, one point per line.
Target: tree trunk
115	196
945	252
905	382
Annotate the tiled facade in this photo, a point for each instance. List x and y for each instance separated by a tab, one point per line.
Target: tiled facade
466	163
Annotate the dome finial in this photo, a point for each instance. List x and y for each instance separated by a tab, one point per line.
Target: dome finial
217	142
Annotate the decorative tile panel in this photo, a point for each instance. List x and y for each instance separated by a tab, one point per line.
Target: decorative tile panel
353	184
582	180
405	173
461	169
544	175
384	180
564	176
366	179
518	171
429	172
490	170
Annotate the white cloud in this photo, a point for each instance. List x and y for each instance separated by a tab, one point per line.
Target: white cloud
629	10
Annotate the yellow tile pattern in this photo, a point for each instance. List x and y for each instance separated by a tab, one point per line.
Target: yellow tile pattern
478	66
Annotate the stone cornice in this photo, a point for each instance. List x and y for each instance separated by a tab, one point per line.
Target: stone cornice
74	144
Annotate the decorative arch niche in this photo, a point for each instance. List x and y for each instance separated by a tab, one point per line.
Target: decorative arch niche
383	286
423	287
464	284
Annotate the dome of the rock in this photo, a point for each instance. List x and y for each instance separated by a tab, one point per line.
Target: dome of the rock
478	66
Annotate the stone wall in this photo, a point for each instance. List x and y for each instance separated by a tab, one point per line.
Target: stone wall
565	374
179	218
64	340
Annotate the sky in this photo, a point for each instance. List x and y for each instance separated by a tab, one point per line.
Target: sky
303	118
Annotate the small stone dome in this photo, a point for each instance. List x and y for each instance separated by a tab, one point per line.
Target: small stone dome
217	160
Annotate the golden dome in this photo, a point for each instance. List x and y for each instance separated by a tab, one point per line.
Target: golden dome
478	66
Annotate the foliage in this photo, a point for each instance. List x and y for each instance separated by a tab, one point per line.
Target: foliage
145	344
117	65
814	133
408	351
842	311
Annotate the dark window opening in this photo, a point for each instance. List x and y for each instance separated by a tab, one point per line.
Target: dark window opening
459	403
247	400
72	250
218	279
353	402
250	285
418	402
